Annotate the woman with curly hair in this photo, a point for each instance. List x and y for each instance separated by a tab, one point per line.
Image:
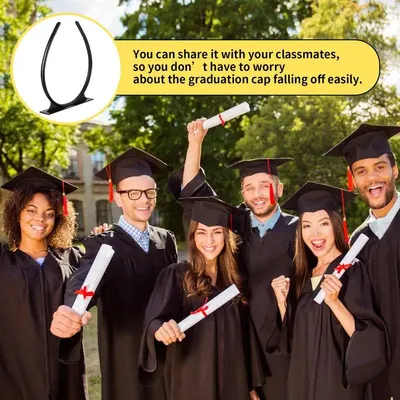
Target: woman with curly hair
39	224
216	359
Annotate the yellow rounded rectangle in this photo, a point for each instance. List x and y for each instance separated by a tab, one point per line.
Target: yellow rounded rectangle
247	67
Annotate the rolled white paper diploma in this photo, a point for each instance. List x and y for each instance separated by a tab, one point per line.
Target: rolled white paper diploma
348	260
225	116
208	308
93	278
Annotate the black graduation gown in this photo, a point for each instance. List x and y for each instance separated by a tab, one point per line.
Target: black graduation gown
218	358
324	360
121	299
29	295
261	260
382	258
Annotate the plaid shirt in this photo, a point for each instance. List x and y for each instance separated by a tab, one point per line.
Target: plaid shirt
142	238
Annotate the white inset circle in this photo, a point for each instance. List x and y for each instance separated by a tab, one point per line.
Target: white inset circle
66	68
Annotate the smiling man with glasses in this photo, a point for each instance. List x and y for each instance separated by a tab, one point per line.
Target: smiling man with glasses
141	252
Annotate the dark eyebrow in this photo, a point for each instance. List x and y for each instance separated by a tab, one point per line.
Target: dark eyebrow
377	163
318	221
49	209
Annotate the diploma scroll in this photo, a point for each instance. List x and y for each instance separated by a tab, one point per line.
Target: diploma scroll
93	278
227	115
208	308
348	260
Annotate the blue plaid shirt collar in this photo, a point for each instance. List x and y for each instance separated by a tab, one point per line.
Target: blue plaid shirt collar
142	238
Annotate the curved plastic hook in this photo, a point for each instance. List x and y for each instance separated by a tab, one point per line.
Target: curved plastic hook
81	98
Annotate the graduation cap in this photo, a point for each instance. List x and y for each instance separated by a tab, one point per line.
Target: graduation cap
313	196
367	141
35	178
210	211
257	165
134	162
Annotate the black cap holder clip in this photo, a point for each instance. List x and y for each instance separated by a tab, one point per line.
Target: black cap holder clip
81	98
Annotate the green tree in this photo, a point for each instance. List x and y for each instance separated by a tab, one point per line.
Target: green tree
25	139
306	127
158	123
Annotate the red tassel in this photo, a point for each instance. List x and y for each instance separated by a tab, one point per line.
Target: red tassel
110	191
350	182
271	194
271	188
345	230
110	185
64	200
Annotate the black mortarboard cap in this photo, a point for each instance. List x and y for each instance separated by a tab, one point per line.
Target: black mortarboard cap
35	178
210	211
257	165
313	196
134	162
367	141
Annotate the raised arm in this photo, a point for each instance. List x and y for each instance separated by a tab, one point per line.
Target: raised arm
196	135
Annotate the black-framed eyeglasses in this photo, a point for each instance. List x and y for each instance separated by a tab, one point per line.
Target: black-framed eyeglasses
136	194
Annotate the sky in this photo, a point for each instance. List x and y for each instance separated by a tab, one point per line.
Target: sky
108	13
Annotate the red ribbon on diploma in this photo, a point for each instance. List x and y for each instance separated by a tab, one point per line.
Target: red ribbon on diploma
201	309
222	121
342	267
83	291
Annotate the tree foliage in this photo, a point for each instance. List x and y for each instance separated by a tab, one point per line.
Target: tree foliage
306	127
25	139
158	123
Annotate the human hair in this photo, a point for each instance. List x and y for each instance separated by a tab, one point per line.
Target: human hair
392	159
304	258
275	179
64	225
196	282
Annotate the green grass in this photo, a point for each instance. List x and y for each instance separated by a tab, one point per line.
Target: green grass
92	357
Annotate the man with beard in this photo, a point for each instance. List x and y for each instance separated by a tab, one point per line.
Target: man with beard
374	170
267	246
141	252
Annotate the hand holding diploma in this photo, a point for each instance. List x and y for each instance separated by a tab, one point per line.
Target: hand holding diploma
198	129
67	322
208	308
348	260
226	116
169	332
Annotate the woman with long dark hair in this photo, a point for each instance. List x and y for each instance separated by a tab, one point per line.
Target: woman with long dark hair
39	225
338	346
217	358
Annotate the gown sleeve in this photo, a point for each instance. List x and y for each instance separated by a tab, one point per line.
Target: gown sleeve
255	365
172	249
70	350
164	304
198	186
279	342
368	351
